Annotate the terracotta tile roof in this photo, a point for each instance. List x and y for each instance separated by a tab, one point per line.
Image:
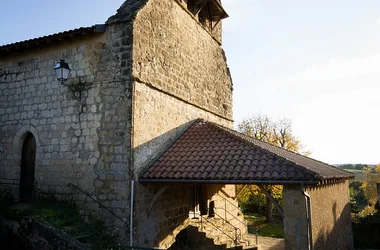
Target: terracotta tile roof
210	153
98	28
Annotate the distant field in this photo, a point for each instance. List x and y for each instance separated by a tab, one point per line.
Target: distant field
359	174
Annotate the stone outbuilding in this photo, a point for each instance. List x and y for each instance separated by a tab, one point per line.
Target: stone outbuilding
144	125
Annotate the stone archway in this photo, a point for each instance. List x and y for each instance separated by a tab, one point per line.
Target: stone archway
28	159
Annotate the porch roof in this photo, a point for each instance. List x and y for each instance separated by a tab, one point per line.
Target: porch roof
210	153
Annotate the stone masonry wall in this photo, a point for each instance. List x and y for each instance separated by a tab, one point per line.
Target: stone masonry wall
331	216
180	75
226	207
64	127
158	120
82	133
158	222
295	220
175	54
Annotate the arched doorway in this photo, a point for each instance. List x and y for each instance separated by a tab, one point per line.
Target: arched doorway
28	158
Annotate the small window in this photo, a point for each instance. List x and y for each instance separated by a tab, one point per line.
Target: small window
208	12
193	6
204	16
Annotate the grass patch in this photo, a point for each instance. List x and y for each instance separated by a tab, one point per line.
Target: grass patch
271	230
62	215
254	219
274	229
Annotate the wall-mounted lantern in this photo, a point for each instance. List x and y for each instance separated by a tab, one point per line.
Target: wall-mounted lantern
62	70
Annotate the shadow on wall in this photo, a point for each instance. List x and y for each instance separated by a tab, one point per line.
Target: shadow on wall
340	237
191	239
146	153
161	210
277	246
170	214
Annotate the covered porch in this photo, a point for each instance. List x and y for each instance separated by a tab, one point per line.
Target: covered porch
202	166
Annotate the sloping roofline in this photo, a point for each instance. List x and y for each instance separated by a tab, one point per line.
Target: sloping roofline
125	12
39	41
210	153
324	170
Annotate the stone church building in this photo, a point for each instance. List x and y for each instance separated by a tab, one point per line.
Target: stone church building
144	124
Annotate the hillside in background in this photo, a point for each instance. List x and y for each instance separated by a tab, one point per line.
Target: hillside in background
354	166
357	169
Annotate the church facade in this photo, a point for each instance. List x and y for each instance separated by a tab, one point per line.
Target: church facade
138	84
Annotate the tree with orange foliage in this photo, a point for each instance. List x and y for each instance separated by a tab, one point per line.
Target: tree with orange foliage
372	177
278	133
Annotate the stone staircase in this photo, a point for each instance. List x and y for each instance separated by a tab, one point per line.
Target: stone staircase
222	234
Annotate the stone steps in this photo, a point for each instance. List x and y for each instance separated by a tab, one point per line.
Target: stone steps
221	233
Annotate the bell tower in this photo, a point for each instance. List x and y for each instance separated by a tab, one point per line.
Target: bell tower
208	12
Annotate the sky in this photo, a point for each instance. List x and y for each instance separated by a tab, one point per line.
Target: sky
314	62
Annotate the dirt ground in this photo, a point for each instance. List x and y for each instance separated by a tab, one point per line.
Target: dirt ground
267	243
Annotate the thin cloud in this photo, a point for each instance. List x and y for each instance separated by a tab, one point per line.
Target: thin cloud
377	21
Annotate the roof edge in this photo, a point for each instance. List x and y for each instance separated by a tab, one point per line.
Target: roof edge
315	174
192	181
39	41
127	11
